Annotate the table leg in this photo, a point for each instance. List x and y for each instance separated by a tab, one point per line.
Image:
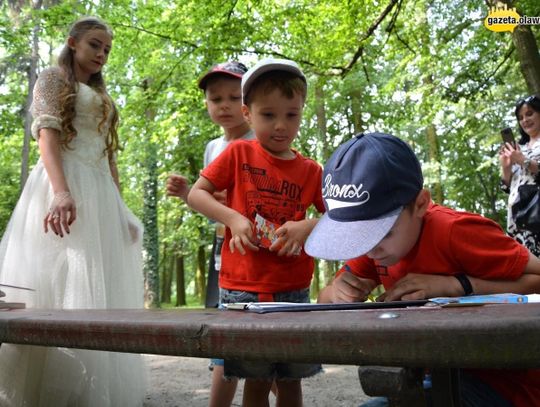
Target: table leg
445	388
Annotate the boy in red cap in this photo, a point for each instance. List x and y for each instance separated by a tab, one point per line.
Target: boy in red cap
223	100
387	224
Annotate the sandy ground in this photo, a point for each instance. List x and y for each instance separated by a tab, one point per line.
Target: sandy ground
180	381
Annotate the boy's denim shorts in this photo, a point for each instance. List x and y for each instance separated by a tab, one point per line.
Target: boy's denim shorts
265	370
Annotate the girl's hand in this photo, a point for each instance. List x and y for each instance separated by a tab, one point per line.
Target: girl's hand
62	213
241	234
291	238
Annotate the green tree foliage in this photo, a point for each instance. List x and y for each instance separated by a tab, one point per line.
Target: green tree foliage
427	71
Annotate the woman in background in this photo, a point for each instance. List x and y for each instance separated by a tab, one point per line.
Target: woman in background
520	165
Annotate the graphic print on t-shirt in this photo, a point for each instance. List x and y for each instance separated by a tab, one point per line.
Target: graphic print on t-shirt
274	199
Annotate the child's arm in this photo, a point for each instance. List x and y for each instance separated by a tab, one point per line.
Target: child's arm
201	199
420	286
291	237
346	287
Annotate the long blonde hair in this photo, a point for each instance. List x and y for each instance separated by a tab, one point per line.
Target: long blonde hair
68	93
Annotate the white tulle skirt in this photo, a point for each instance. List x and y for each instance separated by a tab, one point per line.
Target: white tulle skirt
98	265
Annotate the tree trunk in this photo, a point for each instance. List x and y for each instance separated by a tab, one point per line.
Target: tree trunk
320	111
166	276
356	110
180	282
434	159
32	77
150	220
427	103
200	275
528	56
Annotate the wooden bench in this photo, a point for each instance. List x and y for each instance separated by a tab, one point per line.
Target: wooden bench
442	339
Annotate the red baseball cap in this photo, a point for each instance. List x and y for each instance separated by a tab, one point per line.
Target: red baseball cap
233	68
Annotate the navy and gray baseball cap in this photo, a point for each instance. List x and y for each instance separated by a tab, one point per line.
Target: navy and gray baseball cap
267	65
366	184
233	69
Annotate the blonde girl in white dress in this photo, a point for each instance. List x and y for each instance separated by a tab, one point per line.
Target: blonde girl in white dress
71	236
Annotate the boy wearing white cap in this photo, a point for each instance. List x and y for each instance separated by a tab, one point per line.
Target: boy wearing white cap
386	223
265	179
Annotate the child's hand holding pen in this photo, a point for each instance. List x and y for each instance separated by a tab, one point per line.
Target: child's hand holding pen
349	288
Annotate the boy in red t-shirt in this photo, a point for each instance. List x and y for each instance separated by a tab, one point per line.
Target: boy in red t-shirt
385	221
270	185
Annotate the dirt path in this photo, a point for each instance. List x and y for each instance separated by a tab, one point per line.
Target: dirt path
180	381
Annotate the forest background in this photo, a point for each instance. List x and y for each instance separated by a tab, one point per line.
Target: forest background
427	71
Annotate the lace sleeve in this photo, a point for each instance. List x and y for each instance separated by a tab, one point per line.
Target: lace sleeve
46	104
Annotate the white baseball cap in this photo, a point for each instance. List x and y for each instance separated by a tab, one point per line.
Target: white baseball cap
267	65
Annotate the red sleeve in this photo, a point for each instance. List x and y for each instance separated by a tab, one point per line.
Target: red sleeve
483	250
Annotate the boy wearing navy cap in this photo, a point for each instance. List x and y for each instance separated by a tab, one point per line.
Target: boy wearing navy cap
223	101
387	224
265	179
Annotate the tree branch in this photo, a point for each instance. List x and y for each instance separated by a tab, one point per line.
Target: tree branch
368	34
155	34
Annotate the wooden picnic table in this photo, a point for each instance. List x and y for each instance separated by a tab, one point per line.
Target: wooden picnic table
504	335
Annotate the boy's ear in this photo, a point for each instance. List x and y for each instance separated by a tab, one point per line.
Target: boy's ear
421	204
246	113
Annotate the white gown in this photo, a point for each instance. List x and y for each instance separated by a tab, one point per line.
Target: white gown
97	265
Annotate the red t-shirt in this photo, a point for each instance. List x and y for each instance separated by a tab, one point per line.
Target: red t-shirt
451	242
279	191
454	242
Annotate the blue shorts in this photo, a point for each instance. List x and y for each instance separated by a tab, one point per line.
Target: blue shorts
267	370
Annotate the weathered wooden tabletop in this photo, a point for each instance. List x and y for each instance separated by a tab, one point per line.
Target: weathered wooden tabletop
478	336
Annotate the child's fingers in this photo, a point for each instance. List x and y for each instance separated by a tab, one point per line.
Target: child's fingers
238	245
284	251
286	247
246	241
234	243
278	245
239	241
281	231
